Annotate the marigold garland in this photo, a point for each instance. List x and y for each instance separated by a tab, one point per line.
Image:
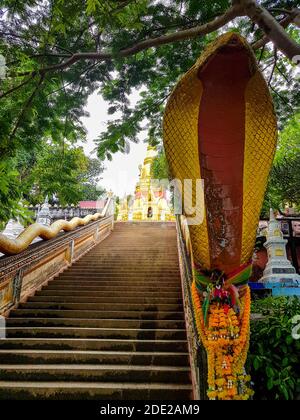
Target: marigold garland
225	337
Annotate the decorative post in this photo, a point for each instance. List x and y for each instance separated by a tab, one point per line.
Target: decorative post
96	235
44	216
2	328
17	286
279	271
70	252
111	209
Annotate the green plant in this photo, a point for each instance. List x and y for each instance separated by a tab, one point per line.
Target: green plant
59	52
274	355
11	205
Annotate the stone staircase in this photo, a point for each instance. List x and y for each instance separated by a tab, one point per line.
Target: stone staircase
109	327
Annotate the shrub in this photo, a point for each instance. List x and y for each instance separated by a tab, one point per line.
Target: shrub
274	355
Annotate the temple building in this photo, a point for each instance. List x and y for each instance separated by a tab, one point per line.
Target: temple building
150	202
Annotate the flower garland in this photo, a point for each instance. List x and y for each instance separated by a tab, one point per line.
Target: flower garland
223	325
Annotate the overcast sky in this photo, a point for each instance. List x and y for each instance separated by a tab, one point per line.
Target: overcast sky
122	172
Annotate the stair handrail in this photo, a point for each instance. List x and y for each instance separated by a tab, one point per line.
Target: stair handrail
197	353
15	246
22	274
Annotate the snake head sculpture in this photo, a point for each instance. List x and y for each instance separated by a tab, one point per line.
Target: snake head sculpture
220	126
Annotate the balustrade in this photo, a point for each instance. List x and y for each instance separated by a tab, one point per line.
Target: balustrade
24	273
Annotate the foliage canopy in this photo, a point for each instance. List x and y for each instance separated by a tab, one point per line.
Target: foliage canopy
57	53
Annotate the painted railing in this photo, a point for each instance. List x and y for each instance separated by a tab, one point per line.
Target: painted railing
26	267
197	353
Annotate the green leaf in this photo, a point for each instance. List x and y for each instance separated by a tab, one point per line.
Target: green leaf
256	363
91	6
270	372
284	391
291	383
285	362
270	384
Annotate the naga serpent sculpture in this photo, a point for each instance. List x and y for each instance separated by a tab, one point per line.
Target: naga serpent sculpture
220	126
15	246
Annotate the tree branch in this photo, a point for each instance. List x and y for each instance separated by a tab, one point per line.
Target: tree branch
121	6
284	23
274	66
282	74
281	11
16	87
274	31
72	81
35	40
282	99
202	30
58	47
267	66
42	55
26	107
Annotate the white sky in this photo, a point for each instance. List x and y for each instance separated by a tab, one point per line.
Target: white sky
121	174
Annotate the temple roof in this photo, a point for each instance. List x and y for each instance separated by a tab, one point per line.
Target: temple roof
91	204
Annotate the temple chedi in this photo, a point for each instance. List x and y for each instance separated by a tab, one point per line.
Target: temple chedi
149	201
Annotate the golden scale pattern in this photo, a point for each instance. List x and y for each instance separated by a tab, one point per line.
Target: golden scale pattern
181	145
260	147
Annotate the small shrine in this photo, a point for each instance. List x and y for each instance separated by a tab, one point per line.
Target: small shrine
44	216
13	229
279	270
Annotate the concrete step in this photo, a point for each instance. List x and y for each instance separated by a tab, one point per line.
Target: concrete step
21	356
102	306
138	275
106	294
114	283
142	248
89	390
56	313
111	333
124	259
132	268
96	323
112	287
153	272
140	300
110	327
132	257
132	265
95	373
140	253
135	281
94	344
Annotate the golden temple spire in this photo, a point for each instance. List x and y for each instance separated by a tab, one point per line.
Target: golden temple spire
149	202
